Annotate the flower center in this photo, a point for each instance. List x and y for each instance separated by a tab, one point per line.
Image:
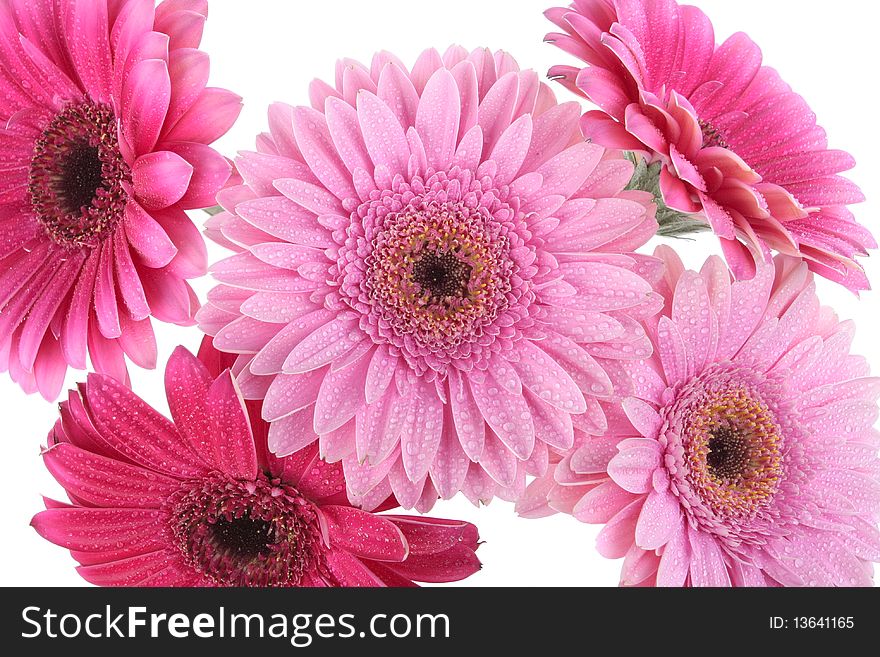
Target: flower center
245	537
443	276
728	454
725	446
78	176
734	450
235	533
438	275
712	137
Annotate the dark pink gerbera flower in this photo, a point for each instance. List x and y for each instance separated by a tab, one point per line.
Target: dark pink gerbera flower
735	142
106	119
200	501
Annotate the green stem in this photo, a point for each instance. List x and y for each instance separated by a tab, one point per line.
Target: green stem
680	225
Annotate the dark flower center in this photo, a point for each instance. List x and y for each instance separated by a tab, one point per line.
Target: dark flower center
442	275
260	533
245	537
78	176
712	137
82	176
729	453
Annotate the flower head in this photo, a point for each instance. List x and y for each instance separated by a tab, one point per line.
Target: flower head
745	454
200	502
735	142
106	124
433	267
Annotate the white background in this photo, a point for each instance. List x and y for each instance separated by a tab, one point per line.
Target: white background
269	50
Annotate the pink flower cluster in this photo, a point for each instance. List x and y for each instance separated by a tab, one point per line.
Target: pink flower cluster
435	288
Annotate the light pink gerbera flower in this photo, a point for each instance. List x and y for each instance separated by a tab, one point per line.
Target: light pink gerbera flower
734	141
201	502
433	267
745	453
106	120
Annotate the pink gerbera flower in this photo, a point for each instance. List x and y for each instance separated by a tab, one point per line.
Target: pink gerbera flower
106	120
201	502
433	268
733	139
745	453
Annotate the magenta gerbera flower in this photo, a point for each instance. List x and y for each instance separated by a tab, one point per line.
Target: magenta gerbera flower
106	120
745	453
433	267
200	502
735	142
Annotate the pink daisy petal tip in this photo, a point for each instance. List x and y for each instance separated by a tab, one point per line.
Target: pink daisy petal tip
107	122
199	501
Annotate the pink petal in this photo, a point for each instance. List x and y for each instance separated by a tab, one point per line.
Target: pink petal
88	41
450	467
50	369
364	534
507	414
437	119
349	571
145	101
454	564
634	467
543	376
191	260
672	350
495	113
565	173
383	135
320	153
643	417
127	532
707	561
345	131
499	461
41	313
210	172
210	117
130	287
187	382
324	345
311	197
379	426
468	419
616	538
125	572
341	397
602	503
658	520
105	482
147	237
382	368
106	308
134	429
676	560
293	433
188	70
421	433
233	441
161	179
396	90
